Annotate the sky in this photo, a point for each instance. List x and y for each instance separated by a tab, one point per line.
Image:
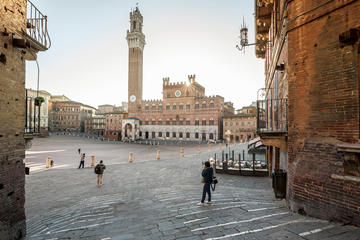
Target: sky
88	58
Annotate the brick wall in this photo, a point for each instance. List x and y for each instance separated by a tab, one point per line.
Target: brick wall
12	118
323	109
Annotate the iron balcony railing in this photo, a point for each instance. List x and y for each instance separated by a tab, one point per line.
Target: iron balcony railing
37	26
272	115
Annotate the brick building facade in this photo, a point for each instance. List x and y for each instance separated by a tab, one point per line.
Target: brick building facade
310	117
95	125
184	112
17	44
241	127
69	116
113	125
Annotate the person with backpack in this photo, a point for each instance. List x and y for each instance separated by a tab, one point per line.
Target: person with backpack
207	178
99	170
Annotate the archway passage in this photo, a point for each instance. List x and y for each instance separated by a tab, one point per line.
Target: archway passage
203	137
128	130
146	135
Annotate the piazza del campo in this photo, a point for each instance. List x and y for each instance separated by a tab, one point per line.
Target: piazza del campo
269	151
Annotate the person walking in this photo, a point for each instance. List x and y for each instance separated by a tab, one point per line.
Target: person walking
82	160
79	150
99	170
207	174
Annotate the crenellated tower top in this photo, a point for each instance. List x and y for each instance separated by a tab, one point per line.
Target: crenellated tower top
135	36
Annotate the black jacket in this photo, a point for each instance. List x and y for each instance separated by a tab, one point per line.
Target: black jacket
207	173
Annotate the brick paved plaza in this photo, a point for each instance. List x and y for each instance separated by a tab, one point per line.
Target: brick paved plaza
153	199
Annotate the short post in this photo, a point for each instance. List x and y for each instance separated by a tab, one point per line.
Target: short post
210	147
182	152
92	161
243	155
254	163
130	157
222	156
48	162
240	163
158	155
198	149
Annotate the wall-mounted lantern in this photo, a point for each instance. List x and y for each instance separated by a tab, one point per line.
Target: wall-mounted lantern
244	38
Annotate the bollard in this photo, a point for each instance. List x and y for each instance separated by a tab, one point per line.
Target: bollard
92	161
158	155
130	157
198	149
47	162
182	152
210	147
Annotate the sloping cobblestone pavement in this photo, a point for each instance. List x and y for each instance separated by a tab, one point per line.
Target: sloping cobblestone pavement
157	200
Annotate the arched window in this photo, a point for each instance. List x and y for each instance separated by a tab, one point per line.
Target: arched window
134	25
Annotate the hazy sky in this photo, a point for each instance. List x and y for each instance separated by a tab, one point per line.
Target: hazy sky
88	59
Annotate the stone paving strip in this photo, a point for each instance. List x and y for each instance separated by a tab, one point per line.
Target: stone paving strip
39	167
259	229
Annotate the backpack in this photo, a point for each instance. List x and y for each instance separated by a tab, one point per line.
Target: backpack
97	169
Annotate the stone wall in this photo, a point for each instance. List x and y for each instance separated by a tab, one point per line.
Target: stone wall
323	109
12	119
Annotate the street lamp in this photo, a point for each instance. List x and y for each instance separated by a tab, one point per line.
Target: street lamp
244	38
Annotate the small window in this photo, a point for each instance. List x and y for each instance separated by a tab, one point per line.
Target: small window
203	105
211	122
197	106
188	107
197	122
174	107
187	122
204	122
174	134
146	107
181	107
187	135
167	107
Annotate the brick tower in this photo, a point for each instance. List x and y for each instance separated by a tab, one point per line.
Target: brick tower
136	42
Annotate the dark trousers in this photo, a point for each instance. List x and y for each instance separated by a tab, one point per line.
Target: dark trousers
206	189
81	164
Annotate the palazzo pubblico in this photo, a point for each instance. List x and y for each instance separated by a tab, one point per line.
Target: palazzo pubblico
185	112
